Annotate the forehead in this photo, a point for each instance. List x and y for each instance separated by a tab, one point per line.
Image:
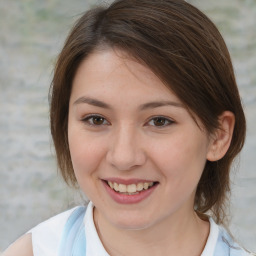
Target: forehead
106	70
117	79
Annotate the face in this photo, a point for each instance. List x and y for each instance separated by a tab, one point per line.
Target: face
136	151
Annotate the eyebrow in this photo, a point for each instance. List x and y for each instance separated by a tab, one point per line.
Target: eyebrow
92	102
156	104
149	105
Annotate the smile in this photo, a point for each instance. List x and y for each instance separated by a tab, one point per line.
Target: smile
132	192
130	189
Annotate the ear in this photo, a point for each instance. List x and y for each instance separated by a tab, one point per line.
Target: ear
221	138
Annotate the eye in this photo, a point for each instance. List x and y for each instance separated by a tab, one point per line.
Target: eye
160	121
95	120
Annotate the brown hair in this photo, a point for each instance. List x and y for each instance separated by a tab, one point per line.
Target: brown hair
185	50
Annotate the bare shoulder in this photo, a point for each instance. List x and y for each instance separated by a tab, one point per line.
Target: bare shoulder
22	247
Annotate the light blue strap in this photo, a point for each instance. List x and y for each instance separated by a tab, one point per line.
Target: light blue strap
226	246
73	241
79	246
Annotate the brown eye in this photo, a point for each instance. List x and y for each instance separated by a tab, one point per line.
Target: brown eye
98	120
160	121
95	120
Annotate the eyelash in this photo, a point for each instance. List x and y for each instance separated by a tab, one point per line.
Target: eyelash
167	121
89	120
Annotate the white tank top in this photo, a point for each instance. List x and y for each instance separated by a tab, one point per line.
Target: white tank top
46	237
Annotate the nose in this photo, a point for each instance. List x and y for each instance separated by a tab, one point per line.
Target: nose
125	150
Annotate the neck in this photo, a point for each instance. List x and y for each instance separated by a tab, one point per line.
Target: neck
177	235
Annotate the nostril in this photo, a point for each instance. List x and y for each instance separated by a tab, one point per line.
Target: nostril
124	160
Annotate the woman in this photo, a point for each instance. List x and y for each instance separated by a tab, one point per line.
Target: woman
146	118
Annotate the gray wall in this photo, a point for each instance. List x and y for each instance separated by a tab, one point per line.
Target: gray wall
32	33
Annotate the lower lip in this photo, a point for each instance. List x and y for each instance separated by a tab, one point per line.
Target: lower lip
129	199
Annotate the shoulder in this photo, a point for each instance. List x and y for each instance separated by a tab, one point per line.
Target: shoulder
54	223
221	243
22	247
43	239
226	243
47	235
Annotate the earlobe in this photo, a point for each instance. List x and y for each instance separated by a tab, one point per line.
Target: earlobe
222	137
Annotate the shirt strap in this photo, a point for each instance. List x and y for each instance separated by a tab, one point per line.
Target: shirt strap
227	246
73	241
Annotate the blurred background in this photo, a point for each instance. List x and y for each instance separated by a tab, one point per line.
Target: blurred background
32	33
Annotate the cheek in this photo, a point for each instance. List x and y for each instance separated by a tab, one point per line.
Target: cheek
180	157
181	162
86	153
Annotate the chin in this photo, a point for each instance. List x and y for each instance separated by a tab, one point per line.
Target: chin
130	222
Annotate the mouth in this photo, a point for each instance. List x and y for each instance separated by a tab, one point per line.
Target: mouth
130	189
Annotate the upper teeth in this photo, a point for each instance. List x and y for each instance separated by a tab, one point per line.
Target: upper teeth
131	188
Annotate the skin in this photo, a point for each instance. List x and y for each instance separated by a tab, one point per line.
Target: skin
123	141
22	247
129	142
